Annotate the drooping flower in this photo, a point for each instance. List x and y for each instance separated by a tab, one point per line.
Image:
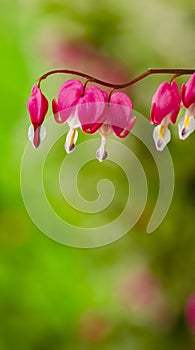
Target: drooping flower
37	106
79	107
187	124
117	119
164	110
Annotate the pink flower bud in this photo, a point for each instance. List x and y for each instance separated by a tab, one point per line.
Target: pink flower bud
188	92
165	103
37	106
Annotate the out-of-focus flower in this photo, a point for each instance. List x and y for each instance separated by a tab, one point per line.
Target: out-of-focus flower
117	119
93	326
37	106
81	55
187	124
165	108
142	297
190	312
79	107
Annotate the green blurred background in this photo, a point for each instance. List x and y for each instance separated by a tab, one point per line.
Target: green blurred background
130	294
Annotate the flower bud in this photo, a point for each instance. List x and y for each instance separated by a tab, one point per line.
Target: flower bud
37	106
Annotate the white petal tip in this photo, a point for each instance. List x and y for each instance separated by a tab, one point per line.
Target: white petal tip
183	134
101	156
69	148
71	139
160	145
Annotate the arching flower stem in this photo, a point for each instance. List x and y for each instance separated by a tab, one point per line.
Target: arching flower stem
150	71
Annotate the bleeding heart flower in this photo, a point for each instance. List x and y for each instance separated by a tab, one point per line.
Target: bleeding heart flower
37	106
117	119
79	107
187	124
91	109
164	110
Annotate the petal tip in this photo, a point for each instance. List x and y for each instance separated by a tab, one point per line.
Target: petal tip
101	156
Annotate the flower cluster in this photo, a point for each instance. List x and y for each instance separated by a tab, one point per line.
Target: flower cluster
166	104
88	108
94	111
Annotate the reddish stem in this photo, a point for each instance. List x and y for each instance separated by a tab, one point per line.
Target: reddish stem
150	71
85	85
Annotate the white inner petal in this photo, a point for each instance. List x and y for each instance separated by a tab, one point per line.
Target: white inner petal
161	139
31	133
186	126
101	153
42	133
71	139
73	120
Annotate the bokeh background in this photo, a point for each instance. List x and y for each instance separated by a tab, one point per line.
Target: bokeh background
131	294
